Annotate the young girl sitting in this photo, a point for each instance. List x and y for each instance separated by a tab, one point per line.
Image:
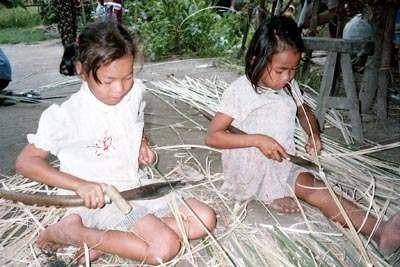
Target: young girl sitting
97	136
264	104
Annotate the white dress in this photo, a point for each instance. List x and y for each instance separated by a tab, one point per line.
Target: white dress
248	173
100	143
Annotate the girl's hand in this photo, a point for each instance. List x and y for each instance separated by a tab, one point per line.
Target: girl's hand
92	194
314	145
271	148
146	154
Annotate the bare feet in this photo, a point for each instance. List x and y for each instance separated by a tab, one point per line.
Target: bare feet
93	255
389	236
59	234
285	205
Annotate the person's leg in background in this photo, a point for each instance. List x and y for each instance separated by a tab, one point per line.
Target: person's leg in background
67	27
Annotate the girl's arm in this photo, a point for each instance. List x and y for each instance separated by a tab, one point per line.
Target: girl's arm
32	163
217	136
309	123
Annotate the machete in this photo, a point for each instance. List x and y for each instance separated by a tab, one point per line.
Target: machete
149	191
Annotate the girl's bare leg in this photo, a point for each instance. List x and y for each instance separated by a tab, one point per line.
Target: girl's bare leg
387	236
149	240
193	228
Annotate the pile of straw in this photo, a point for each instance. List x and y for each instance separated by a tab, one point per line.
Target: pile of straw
373	183
238	240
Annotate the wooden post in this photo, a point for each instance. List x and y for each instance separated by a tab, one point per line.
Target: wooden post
249	7
386	57
326	87
352	98
278	7
314	18
369	82
83	13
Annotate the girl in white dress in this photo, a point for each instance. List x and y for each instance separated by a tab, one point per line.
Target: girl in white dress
264	104
97	136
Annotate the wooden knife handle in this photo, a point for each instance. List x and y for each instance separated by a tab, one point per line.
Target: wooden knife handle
117	199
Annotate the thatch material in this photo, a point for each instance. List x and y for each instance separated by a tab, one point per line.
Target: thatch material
246	235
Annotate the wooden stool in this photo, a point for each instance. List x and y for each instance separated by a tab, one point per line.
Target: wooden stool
327	99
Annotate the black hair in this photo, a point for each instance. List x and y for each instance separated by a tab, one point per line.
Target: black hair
99	44
278	34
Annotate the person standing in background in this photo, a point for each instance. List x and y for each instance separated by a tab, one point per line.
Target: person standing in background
67	27
115	9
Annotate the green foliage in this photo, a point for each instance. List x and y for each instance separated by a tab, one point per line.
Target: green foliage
48	11
18	17
311	76
12	3
183	27
21	35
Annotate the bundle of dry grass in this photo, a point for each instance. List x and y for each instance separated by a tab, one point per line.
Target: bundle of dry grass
247	234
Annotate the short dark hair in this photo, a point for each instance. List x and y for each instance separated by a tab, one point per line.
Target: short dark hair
100	43
278	34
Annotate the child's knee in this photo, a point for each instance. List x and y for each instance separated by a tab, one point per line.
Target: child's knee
307	186
209	218
206	215
167	247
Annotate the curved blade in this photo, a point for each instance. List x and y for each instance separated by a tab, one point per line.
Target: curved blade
151	191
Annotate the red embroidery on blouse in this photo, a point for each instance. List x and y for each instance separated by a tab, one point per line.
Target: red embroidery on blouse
102	145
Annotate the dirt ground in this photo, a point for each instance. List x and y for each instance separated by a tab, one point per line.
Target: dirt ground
36	66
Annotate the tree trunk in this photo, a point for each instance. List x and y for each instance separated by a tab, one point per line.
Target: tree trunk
246	30
262	13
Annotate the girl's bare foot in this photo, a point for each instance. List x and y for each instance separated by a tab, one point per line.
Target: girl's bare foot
61	233
389	239
93	255
285	205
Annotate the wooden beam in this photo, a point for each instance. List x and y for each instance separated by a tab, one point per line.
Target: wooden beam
339	45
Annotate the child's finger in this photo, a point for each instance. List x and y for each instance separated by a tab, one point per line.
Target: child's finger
89	201
144	160
152	157
282	152
99	197
309	148
93	201
277	156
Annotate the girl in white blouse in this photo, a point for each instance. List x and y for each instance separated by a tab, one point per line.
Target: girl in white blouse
97	136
